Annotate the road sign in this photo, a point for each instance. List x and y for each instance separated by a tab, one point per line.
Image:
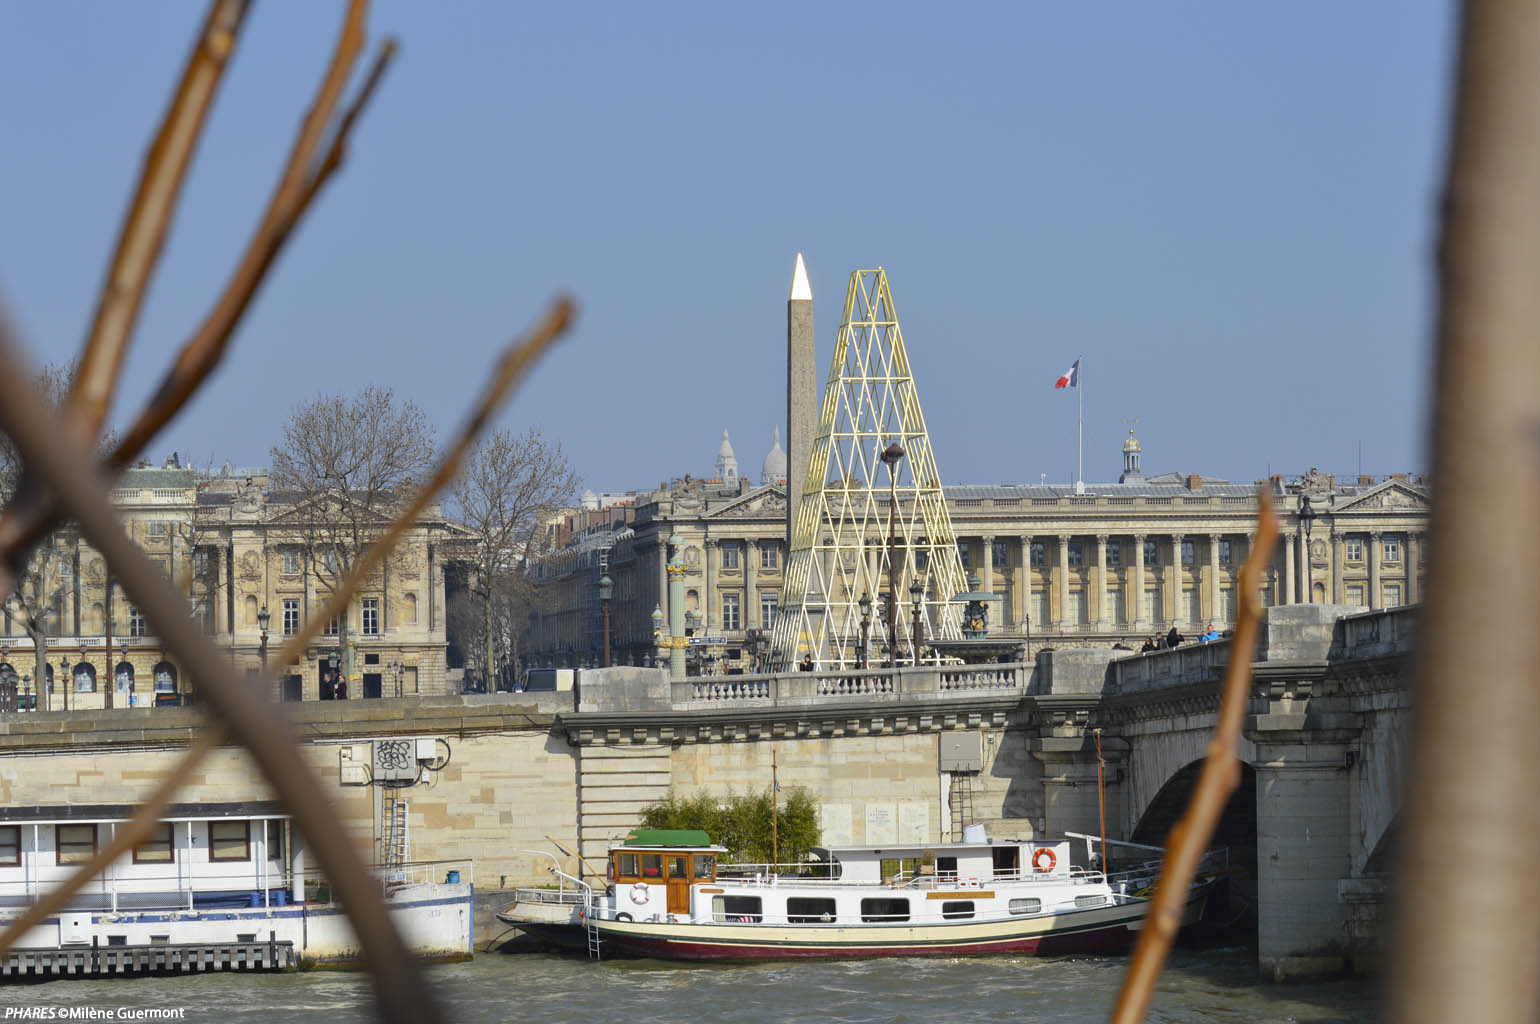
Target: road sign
703	641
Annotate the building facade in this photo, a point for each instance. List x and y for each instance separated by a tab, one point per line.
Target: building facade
233	548
1114	564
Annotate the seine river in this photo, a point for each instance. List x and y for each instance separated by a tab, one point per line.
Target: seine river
1196	987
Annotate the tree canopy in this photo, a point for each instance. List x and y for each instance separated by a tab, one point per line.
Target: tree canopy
742	822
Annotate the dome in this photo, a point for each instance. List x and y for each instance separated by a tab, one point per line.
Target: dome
1132	444
727	462
774	469
725	450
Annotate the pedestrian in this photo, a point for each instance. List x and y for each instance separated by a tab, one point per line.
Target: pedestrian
1174	637
341	692
806	664
1149	645
1209	634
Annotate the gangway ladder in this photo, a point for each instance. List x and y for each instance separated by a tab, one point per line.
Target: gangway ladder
962	803
397	840
589	927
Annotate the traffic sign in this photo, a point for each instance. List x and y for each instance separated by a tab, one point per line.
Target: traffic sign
703	641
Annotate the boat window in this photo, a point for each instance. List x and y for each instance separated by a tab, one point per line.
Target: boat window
1090	901
628	866
10	845
229	840
893	867
808	910
77	844
946	867
957	908
884	909
652	865
679	867
1026	906
737	909
1007	861
705	866
157	849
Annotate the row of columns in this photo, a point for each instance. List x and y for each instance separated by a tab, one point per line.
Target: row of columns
1298	584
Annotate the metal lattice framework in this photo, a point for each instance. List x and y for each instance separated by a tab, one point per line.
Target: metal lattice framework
852	505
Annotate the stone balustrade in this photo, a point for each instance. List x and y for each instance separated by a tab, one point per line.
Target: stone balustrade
803	689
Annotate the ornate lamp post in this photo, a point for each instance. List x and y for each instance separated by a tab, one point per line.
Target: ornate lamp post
862	656
658	638
263	618
1306	521
917	602
66	680
890	456
676	640
606	591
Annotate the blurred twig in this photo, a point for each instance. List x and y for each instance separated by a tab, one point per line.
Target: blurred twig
1189	838
149	215
1466	938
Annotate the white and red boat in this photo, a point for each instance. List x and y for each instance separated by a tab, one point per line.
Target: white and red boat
669	897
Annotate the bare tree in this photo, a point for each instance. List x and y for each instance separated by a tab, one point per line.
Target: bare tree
348	466
37	602
511	484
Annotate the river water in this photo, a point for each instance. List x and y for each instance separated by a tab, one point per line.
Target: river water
1202	988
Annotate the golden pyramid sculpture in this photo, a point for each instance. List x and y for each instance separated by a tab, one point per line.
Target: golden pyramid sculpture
868	526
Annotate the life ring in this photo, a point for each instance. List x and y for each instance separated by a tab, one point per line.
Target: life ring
639	892
1037	860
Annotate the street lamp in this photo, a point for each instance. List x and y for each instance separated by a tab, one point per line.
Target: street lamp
866	625
263	618
606	591
1306	520
657	632
66	681
917	601
890	456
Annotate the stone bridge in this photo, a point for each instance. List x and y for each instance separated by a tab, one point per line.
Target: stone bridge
1324	754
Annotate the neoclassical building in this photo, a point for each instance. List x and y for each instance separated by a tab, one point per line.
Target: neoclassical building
236	550
1114	563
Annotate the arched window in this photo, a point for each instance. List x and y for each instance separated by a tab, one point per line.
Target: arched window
409	608
249	615
48	671
85	678
165	677
123	677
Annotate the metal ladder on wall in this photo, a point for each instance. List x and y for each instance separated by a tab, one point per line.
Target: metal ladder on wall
589	927
962	803
397	842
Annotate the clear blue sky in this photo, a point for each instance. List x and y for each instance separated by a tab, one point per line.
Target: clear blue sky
1227	208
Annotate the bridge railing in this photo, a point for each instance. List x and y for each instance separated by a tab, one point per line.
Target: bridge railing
878	685
1375	634
1190	663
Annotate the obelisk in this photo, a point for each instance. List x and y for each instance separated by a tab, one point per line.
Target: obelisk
801	400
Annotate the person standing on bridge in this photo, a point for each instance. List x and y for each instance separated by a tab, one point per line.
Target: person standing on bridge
1174	637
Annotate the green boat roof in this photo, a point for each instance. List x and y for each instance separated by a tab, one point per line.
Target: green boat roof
667	837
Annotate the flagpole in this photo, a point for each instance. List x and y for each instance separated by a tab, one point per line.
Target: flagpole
1080	431
775	838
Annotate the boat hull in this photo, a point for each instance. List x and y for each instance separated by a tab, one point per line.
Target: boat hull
1102	930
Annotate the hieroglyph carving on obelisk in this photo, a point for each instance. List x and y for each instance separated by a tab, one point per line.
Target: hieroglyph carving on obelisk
858	530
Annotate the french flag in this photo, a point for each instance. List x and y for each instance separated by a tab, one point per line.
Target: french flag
1071	378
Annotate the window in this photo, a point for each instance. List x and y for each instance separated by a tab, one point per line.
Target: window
997	552
1027	906
157	849
1076	554
730	612
77	844
884	909
1090	901
652	866
737	909
290	616
200	561
331	628
136	623
768	603
229	840
962	552
165	677
1355	549
630	866
1151	553
10	846
157	528
809	910
1355	595
85	678
1392	595
291	560
730	555
1226	554
1227	604
1114	554
371	616
1186	552
953	909
1039	555
705	865
769	555
1392	549
679	867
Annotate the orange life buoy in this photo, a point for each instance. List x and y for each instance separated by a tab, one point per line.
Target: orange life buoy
1038	857
639	892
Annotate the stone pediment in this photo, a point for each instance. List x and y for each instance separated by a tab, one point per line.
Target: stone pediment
761	503
322	509
1391	494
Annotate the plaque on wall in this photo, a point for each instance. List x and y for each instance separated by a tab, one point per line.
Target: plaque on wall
881	824
914	822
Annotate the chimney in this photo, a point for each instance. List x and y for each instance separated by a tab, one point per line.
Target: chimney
1365	480
1399	478
1194	482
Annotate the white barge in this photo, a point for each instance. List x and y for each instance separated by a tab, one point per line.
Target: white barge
668	896
218	886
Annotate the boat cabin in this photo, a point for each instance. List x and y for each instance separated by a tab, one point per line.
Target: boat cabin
658	866
949	863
